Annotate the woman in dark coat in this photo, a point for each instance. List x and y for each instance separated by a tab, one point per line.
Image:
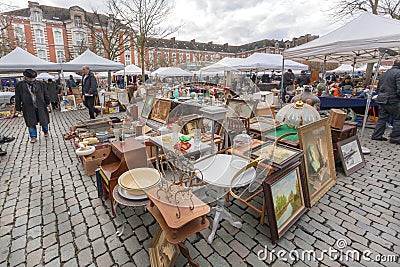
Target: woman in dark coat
32	98
53	90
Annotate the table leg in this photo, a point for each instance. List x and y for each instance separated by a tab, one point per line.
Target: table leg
157	159
120	231
221	214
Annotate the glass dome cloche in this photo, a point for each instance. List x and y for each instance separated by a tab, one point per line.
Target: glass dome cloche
297	114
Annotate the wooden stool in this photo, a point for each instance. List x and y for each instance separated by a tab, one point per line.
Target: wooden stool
178	222
124	156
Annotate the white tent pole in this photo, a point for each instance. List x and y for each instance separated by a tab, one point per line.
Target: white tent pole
283	69
369	97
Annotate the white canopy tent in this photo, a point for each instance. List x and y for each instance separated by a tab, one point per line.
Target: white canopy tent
130	70
74	75
93	61
342	69
171	72
360	39
364	68
264	62
19	60
45	76
221	66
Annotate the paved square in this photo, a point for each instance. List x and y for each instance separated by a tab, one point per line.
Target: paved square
50	214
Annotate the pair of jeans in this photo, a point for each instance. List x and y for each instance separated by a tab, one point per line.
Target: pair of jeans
89	103
385	111
33	130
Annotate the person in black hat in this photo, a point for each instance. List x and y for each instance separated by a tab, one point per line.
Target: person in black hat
32	98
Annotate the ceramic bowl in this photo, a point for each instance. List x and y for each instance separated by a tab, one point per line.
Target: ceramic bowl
137	180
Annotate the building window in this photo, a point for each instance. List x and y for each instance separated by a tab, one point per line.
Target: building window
42	54
39	35
181	58
36	16
174	58
128	60
187	57
60	56
78	21
19	34
79	38
58	40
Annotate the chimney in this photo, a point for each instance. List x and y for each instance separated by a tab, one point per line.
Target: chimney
193	42
226	45
32	4
210	43
173	40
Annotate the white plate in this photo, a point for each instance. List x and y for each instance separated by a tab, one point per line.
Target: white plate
131	197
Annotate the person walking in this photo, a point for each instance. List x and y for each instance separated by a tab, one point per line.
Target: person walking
53	90
71	82
389	104
32	98
89	91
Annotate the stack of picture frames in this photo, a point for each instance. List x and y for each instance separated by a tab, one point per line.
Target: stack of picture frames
301	178
351	155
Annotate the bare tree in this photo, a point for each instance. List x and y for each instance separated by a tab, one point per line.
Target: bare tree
10	37
109	34
348	8
146	18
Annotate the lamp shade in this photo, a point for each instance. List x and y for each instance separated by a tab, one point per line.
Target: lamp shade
297	114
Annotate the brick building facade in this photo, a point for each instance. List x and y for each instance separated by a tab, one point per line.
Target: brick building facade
60	34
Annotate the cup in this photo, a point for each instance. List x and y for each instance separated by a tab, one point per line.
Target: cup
197	137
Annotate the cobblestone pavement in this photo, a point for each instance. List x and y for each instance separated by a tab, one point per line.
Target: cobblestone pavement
51	215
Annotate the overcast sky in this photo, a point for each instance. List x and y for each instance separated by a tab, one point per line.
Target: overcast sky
236	21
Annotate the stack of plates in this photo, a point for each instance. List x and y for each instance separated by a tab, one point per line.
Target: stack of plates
133	183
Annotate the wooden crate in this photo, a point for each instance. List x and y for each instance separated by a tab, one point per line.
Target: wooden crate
337	118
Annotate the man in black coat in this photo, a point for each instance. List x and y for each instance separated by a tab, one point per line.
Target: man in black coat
389	104
288	79
303	79
32	98
89	91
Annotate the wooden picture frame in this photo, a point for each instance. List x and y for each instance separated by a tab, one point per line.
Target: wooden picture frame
67	103
240	108
282	155
162	252
319	164
285	199
161	110
123	98
351	155
148	106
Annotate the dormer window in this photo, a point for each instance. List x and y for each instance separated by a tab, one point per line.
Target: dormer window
78	21
36	16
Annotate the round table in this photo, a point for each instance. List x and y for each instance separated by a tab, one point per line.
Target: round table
118	199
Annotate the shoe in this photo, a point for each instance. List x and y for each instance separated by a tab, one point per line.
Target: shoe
33	140
394	142
2	152
46	134
97	112
5	139
380	139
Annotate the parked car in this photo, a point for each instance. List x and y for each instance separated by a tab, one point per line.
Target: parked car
7	97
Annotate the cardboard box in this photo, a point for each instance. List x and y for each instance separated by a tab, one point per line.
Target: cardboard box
93	161
337	118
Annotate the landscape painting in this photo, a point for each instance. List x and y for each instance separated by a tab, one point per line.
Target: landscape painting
288	198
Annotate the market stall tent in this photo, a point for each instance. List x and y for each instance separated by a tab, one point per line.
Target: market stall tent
19	60
264	62
171	72
130	70
45	76
221	66
359	39
74	75
93	61
364	68
343	68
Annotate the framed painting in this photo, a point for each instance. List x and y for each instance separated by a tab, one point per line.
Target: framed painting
240	108
123	98
281	154
148	106
319	164
162	253
285	199
351	155
67	103
160	111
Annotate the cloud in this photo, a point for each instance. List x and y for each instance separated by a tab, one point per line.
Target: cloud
236	21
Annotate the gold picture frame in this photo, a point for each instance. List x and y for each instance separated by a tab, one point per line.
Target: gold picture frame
161	110
161	252
319	164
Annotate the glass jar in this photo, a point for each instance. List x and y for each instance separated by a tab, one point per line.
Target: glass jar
241	145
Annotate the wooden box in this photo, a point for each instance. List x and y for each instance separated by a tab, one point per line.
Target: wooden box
93	161
337	118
